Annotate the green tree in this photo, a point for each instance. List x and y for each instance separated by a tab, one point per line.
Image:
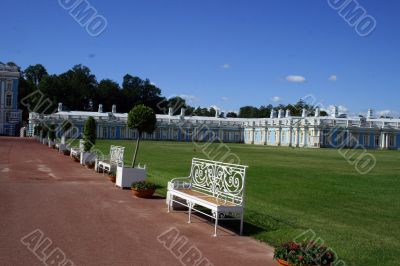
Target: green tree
35	73
65	126
52	132
143	119
89	134
248	112
108	93
45	131
231	114
176	103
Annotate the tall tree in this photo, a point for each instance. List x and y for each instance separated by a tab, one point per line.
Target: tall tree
108	93
35	73
231	114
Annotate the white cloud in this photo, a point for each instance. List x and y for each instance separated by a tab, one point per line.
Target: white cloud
296	79
332	78
276	99
226	66
224	98
189	98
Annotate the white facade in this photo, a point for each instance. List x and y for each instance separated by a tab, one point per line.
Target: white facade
281	129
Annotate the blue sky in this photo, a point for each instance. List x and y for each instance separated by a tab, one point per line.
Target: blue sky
225	53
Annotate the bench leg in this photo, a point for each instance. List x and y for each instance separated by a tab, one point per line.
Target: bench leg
169	202
190	212
216	224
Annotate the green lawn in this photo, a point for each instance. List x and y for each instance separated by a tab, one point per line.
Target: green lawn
291	190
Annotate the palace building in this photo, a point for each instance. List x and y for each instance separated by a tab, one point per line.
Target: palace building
10	116
280	129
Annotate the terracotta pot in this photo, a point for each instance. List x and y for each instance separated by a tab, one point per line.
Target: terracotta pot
147	193
112	178
90	165
283	263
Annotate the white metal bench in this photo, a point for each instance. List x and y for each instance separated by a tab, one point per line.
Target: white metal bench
110	162
213	185
76	151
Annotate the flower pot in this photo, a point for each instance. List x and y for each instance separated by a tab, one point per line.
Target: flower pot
90	165
283	263
144	193
112	178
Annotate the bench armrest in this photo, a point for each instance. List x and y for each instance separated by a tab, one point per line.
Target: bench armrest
180	183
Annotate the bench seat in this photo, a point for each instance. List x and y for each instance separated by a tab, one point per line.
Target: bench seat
213	185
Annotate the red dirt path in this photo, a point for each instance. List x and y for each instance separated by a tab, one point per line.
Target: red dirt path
93	222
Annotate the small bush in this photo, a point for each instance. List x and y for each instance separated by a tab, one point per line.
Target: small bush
143	185
89	134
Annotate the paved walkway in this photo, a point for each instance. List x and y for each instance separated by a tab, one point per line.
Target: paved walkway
93	223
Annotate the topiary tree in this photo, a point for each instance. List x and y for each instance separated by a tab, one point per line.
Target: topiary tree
36	131
65	126
143	119
39	131
52	132
89	134
45	131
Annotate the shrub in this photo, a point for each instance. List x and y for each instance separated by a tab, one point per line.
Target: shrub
143	185
52	132
89	134
45	131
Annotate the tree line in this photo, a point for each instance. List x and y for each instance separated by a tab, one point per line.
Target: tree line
78	89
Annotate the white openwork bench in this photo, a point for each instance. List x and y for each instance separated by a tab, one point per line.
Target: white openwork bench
75	151
213	185
110	162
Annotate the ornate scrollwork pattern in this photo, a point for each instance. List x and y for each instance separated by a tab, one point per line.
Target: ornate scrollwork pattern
224	181
117	154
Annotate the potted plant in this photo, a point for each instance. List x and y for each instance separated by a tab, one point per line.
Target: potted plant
112	176
39	133
90	165
89	137
143	189
44	134
304	253
74	158
142	119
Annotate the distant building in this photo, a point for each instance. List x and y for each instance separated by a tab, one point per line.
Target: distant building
281	129
10	116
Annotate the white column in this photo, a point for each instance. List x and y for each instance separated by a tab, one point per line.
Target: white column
387	141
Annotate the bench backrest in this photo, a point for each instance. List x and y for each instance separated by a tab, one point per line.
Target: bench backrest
117	155
222	180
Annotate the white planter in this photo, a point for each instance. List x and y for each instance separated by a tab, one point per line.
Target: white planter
62	147
126	176
51	143
87	157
